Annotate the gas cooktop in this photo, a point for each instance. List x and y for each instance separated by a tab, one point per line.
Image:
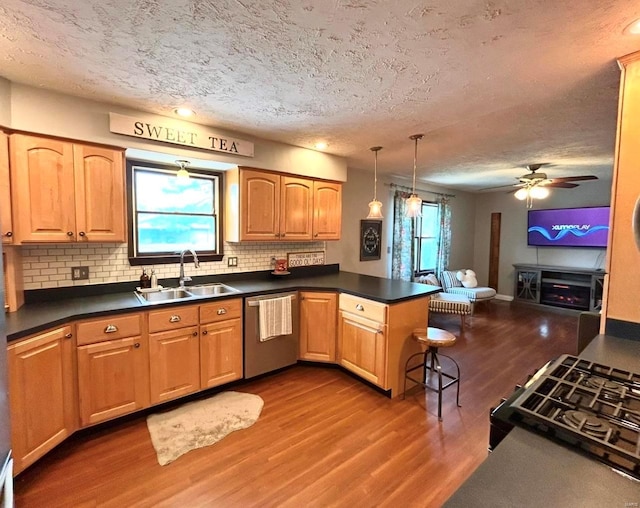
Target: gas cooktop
585	405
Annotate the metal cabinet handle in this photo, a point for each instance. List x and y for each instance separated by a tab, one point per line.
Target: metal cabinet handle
222	312
204	332
136	345
82	233
69	233
195	334
359	307
316	235
379	331
174	319
68	336
111	329
9	234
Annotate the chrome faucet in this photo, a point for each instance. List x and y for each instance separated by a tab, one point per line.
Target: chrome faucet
196	263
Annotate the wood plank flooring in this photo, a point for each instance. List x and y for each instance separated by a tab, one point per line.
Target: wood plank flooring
323	439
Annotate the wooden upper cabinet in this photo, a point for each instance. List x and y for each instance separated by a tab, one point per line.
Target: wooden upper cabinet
6	226
259	205
42	181
281	207
99	190
66	192
296	211
327	215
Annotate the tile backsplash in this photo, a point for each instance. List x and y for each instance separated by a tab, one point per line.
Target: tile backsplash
50	266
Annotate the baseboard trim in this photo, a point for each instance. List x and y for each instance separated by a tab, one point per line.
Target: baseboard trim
506	298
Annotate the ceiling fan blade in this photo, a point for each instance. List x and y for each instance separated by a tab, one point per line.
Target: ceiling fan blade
561	185
501	187
573	178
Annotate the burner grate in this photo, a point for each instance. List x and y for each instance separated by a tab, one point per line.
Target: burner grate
590	406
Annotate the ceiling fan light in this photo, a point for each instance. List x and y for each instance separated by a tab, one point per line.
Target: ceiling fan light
522	194
414	206
182	173
539	192
375	210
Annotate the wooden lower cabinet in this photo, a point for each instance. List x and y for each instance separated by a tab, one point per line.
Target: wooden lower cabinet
362	347
113	378
42	394
174	362
318	316
220	352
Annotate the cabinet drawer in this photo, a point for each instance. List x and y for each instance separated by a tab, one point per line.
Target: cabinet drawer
375	311
109	328
176	317
221	311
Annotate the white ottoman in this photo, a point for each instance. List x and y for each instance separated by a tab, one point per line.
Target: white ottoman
447	303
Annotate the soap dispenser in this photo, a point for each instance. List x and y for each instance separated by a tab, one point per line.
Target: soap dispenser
154	279
145	282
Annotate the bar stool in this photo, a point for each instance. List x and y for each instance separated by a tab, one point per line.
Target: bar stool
432	339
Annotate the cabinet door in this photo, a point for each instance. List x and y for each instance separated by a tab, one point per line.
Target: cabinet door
259	206
296	208
41	394
174	362
220	352
113	379
6	226
362	346
99	190
318	315
43	189
327	214
528	285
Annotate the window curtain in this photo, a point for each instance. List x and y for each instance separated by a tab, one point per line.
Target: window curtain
402	257
444	237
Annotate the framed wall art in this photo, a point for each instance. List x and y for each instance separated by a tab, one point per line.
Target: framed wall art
370	239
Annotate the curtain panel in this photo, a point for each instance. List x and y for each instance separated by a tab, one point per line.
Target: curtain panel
403	233
444	237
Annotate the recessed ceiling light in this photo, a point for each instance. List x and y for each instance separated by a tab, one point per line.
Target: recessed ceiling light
184	112
633	28
320	145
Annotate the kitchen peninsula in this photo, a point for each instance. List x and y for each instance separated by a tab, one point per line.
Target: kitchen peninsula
72	330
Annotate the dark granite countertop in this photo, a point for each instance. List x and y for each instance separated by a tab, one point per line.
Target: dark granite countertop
528	470
35	317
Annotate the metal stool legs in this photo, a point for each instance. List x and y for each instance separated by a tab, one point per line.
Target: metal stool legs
431	363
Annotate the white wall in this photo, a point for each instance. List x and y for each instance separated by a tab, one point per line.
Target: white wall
358	191
513	232
45	112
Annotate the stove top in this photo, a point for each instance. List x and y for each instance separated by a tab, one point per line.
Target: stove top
585	405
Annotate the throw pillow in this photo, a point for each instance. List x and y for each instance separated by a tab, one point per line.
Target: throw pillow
468	278
449	280
432	280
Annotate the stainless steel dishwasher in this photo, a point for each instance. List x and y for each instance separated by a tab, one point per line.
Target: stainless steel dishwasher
273	354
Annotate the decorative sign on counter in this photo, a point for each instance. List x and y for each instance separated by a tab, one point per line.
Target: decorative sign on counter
305	258
175	132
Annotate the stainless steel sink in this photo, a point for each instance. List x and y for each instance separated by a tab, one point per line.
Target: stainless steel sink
163	295
211	289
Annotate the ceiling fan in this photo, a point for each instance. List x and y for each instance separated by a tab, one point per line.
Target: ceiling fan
535	185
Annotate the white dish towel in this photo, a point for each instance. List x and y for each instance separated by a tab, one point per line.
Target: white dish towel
275	317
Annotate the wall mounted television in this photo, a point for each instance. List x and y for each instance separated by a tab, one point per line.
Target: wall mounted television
569	227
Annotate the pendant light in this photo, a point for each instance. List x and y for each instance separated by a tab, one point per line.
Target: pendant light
414	203
182	172
375	206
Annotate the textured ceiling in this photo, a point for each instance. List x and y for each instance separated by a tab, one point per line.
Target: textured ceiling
493	85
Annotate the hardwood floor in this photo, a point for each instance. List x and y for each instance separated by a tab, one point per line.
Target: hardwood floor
323	439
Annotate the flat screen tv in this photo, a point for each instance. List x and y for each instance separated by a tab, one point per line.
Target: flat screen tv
569	227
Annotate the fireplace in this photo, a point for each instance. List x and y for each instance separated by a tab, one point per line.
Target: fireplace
566	294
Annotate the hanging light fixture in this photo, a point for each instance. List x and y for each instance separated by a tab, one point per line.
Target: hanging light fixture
182	172
414	203
375	206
